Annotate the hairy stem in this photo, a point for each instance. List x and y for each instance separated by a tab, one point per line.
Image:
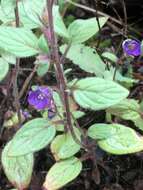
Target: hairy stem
15	86
59	70
98	23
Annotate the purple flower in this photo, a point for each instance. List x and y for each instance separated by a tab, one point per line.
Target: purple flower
132	47
25	114
41	98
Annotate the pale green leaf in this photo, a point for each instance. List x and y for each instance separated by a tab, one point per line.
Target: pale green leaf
86	58
128	109
58	102
11	59
64	146
60	110
60	128
110	56
59	25
109	74
7	11
8	6
33	136
97	93
18	41
42	43
29	12
123	79
101	131
81	30
17	169
139	122
4	68
124	141
62	173
62	4
77	114
4	17
43	69
141	105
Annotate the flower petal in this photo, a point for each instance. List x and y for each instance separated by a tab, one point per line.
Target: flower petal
132	47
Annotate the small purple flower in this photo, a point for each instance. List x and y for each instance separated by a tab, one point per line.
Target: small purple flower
41	98
26	114
132	47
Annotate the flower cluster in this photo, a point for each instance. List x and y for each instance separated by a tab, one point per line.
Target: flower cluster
132	47
41	98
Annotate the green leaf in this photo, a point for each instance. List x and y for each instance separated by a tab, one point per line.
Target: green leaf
7	11
33	136
18	41
4	68
139	122
43	69
62	173
6	17
59	25
62	4
128	109
77	114
29	12
17	169
101	131
64	146
86	58
42	43
58	103
124	141
123	79
97	93
141	105
110	56
11	59
8	6
81	30
108	74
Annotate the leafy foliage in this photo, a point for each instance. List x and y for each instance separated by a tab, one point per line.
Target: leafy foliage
4	67
18	169
59	25
110	56
86	58
81	30
62	172
116	138
128	109
29	12
42	44
33	136
20	42
64	146
96	93
42	38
